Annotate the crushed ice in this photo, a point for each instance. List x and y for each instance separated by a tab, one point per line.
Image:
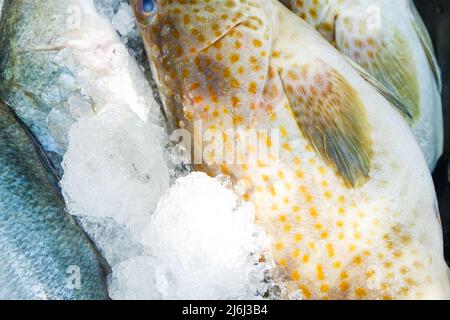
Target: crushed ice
191	239
204	244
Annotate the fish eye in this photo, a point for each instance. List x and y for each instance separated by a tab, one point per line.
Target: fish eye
148	7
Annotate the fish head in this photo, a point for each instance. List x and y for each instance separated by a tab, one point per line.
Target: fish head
200	50
190	25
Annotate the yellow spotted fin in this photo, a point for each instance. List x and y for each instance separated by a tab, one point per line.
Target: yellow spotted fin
386	57
331	116
401	107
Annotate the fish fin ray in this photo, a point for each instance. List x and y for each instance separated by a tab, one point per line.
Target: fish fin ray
394	100
386	55
332	118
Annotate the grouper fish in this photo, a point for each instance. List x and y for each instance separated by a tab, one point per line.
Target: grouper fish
390	41
43	253
348	198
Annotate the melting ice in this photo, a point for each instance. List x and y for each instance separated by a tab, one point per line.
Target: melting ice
203	244
191	239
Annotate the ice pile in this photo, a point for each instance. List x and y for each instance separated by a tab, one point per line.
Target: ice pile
116	117
102	75
199	240
204	245
200	243
121	18
115	167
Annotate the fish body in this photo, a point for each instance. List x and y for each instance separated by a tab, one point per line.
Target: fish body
49	73
390	41
32	80
43	252
348	200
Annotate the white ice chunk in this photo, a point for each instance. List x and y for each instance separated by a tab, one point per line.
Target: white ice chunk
123	20
205	245
115	168
134	279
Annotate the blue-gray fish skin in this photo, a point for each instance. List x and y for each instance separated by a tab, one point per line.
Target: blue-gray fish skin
43	252
31	80
41	76
35	77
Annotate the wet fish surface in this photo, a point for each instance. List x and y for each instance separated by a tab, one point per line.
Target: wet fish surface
31	79
47	74
390	41
349	201
44	253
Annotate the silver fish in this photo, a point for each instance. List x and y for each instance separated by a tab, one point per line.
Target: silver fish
31	79
41	73
43	252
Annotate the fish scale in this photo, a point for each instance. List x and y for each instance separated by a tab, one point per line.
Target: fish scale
39	242
348	201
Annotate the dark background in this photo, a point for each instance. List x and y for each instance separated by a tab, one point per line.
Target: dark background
436	14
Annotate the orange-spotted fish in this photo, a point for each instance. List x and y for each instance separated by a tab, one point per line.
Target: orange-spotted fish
349	201
390	41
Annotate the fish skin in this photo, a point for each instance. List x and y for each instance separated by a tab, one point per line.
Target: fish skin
357	220
40	74
39	241
410	69
31	79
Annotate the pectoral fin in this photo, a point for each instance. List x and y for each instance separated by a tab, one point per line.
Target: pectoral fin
387	56
401	107
331	116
